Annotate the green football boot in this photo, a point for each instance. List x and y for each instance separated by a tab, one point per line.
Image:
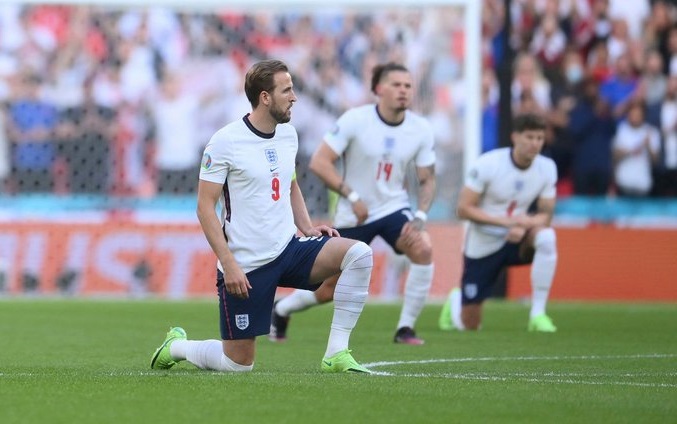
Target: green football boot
444	321
541	323
342	361
162	359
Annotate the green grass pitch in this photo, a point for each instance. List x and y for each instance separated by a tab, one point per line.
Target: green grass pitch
86	361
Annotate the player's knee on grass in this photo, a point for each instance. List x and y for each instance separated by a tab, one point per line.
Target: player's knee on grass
238	354
471	315
228	365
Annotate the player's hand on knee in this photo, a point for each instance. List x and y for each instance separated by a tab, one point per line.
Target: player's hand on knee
323	230
409	235
361	212
516	234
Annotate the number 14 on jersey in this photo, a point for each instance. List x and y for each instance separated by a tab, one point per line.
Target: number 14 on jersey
384	170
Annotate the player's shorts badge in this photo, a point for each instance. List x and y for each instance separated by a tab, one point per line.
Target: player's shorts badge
242	321
470	290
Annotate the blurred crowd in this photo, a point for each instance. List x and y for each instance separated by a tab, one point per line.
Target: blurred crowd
604	73
121	101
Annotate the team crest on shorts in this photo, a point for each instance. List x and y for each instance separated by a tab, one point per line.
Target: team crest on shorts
470	290
242	321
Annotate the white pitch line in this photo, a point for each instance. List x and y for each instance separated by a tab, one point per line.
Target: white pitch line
532	377
526	380
522	358
562	378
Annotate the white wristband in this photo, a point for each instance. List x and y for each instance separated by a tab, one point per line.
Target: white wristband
421	215
353	197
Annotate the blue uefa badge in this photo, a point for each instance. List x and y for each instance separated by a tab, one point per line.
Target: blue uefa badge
519	185
206	161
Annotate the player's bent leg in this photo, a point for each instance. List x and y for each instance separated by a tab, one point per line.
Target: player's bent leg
471	315
417	285
209	354
450	316
279	323
325	293
297	301
542	275
204	354
240	352
355	262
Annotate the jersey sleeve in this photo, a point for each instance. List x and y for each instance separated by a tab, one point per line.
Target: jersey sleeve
426	154
344	129
479	175
215	162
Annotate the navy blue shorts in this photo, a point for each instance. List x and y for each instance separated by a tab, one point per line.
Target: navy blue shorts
479	275
389	228
247	318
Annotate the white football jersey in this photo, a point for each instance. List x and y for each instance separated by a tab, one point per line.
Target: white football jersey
256	170
375	159
505	190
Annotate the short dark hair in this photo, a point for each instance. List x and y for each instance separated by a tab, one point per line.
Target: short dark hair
381	71
528	122
261	77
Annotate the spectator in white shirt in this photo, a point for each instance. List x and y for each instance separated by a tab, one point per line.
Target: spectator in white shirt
635	152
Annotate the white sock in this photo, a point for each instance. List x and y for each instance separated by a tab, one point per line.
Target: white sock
456	305
299	300
350	295
542	270
205	354
416	290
